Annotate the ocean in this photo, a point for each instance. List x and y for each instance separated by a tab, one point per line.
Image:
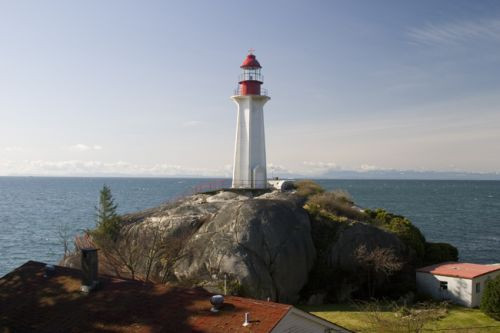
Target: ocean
34	210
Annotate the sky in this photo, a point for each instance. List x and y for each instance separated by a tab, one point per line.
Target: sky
143	87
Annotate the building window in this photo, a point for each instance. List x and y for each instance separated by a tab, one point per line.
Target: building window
478	287
443	285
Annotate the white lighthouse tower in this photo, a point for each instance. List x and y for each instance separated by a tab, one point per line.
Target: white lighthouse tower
249	168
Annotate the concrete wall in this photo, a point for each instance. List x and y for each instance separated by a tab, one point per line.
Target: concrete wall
476	296
459	290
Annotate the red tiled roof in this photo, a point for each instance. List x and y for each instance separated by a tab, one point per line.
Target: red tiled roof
459	269
29	302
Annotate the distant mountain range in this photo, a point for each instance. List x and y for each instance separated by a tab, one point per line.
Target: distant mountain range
405	174
330	174
389	174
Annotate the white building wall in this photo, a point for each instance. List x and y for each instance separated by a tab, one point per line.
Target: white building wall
459	290
281	184
476	296
249	167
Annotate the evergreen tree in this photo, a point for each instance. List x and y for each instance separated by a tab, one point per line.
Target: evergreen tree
108	221
490	302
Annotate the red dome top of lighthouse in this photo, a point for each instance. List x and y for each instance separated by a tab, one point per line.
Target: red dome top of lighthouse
250	62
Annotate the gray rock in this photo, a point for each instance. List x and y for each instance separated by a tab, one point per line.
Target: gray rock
265	244
260	241
223	196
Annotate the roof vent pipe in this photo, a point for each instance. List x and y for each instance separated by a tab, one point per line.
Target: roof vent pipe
247	319
217	301
89	270
49	270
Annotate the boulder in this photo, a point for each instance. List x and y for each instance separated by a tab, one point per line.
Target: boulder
264	244
353	279
343	250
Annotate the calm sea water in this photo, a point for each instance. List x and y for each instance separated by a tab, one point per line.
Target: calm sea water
34	209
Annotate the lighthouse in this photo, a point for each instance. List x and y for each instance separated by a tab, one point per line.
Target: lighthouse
249	167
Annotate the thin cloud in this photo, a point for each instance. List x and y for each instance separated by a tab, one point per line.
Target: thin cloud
369	167
84	147
316	168
321	165
90	168
455	33
278	170
13	149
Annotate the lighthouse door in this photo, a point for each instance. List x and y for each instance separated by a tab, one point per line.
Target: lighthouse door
259	177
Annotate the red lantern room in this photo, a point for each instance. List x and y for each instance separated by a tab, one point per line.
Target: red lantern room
251	78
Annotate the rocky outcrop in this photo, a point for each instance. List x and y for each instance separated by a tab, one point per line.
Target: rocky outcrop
342	254
340	273
264	243
259	243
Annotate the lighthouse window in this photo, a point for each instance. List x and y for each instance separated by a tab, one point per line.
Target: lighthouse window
443	285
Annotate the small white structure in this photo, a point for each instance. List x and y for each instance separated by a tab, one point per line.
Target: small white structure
460	283
282	185
249	167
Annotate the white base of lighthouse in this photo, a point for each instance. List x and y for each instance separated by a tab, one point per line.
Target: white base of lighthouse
249	168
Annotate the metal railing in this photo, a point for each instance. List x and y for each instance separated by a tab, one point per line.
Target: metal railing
216	185
242	183
212	186
263	92
208	186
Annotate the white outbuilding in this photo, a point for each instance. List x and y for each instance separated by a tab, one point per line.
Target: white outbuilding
282	185
460	283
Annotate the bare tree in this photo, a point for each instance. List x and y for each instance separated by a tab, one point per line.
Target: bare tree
107	263
154	248
147	253
64	235
171	252
379	262
162	251
124	252
392	318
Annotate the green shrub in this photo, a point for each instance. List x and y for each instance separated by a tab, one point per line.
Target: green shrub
408	233
380	216
336	203
439	252
490	302
400	226
306	188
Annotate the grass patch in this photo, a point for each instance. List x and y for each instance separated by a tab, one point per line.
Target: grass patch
457	318
460	318
346	315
